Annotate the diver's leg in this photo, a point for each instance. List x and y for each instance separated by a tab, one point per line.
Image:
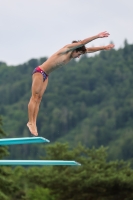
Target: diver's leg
37	85
45	83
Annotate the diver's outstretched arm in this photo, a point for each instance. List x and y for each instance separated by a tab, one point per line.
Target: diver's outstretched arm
94	49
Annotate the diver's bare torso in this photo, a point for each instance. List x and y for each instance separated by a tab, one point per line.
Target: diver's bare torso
55	61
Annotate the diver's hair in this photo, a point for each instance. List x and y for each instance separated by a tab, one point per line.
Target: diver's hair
83	48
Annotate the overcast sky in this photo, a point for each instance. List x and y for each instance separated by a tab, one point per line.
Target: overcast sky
37	28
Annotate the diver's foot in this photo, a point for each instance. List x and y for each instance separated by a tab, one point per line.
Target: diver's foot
32	129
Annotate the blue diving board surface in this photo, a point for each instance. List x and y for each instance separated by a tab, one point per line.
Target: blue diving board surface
38	162
24	140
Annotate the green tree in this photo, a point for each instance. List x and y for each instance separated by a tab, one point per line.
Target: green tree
39	193
88	101
5	181
94	179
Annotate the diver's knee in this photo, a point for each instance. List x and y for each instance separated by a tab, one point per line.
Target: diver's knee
37	98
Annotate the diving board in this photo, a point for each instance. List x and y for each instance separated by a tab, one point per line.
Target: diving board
24	140
38	162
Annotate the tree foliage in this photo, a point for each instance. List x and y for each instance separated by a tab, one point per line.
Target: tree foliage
94	179
5	172
88	101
